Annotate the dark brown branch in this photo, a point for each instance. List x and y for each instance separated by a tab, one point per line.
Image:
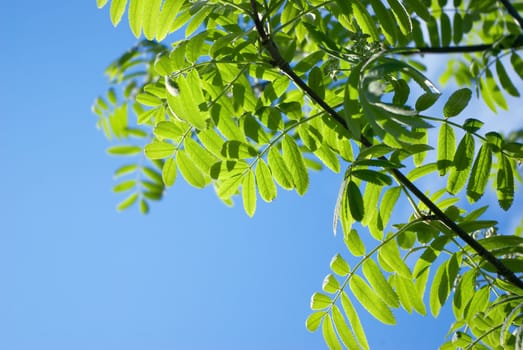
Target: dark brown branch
508	42
513	12
272	49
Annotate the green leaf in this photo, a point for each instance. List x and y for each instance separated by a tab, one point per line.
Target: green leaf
136	16
494	90
354	243
479	303
390	255
457	102
159	150
377	280
472	125
124	186
421	9
202	158
266	186
505	80
370	300
170	9
144	207
442	284
402	16
446	30
249	194
355	201
505	183
387	204
313	322
329	335
151	12
517	64
462	162
446	148
169	172
363	18
294	160
480	174
126	150
339	266
372	176
185	104
190	172
354	321
127	202
408	294
125	169
279	169
330	284
222	170
386	20
426	100
320	301
101	3
238	150
343	329
168	130
116	11
457	34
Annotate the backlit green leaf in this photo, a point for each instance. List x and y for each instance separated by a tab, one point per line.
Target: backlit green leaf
170	9
370	300
446	148
339	266
377	280
126	150
457	102
402	16
125	169
293	159
320	301
249	194
388	203
517	64
505	80
354	243
343	329
329	335
266	186
462	163
136	16
127	202
330	284
480	174
190	172
116	11
169	172
505	183
314	320
159	150
238	150
124	186
364	19
354	321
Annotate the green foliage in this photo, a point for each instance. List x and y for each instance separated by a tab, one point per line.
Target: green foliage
215	108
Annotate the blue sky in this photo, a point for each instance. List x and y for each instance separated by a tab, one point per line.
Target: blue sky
193	274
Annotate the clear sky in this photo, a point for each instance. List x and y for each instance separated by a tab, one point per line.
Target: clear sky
193	274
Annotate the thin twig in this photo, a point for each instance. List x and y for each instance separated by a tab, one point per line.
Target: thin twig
271	47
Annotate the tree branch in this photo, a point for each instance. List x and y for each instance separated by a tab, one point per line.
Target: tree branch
274	52
513	12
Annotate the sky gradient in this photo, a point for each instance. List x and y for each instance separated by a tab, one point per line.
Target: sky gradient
193	274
